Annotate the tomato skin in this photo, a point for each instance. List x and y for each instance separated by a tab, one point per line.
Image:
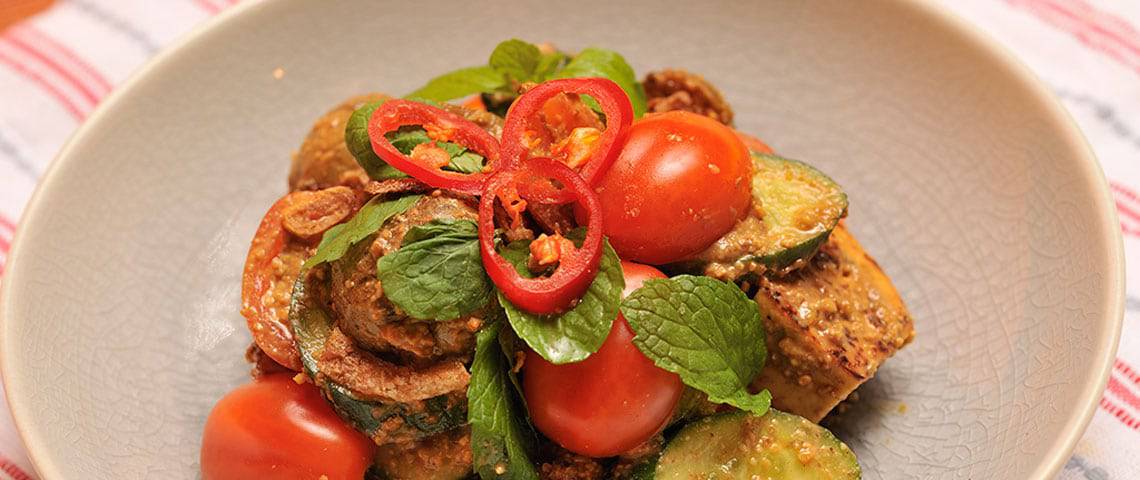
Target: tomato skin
275	428
681	182
608	403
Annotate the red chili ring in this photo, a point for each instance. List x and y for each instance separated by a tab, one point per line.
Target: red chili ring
575	272
615	105
394	114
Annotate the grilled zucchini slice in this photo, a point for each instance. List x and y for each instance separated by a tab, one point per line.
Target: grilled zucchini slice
744	446
382	422
829	326
795	208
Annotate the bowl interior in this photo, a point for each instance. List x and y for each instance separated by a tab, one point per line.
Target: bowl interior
966	182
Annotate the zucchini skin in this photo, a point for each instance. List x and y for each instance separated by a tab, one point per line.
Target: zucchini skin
740	445
382	422
795	208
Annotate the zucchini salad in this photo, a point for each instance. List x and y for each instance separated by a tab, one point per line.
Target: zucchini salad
546	268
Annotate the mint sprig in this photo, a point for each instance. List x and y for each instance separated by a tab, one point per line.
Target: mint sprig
515	61
705	330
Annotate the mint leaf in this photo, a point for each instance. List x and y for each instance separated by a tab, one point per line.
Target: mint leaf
406	138
516	59
575	334
547	65
461	83
437	274
598	62
500	439
358	143
462	159
466	162
338	239
705	330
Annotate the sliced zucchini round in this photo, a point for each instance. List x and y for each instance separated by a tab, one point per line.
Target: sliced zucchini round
744	446
312	326
795	207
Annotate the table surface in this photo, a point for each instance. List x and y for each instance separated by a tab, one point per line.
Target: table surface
12	11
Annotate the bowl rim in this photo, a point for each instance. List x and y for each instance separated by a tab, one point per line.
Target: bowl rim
1059	452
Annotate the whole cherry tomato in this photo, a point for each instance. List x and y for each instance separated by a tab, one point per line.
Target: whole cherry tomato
275	428
681	182
608	403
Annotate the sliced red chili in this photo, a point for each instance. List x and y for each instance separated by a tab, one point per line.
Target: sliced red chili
523	127
425	165
576	267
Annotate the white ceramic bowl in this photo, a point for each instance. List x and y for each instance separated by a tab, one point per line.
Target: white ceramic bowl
968	183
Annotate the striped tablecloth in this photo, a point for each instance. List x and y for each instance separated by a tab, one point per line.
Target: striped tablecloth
57	66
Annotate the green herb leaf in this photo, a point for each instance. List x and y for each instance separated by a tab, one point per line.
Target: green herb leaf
466	162
705	330
407	138
548	64
499	439
358	143
462	159
460	83
437	274
516	59
598	62
575	334
338	239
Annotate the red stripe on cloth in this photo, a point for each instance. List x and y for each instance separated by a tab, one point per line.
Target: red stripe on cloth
47	86
1127	211
6	465
55	66
7	224
1128	206
65	52
1120	413
1122	392
208	7
1127	371
1095	29
1111	27
1124	191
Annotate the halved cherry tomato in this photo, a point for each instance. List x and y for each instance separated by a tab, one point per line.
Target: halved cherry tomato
593	153
268	321
275	428
682	181
608	403
441	125
576	268
273	263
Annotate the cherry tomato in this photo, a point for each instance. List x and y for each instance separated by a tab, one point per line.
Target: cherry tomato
681	182
274	428
608	403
